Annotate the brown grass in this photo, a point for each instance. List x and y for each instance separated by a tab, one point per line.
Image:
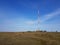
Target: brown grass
29	38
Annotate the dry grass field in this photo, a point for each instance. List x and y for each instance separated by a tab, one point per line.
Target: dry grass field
29	38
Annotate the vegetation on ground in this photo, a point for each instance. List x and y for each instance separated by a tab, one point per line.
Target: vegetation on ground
29	38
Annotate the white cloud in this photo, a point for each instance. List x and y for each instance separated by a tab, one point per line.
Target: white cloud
26	24
51	15
45	17
30	22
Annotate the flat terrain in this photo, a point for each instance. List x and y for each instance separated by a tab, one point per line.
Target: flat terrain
29	38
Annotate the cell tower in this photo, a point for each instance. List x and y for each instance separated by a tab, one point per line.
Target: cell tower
38	21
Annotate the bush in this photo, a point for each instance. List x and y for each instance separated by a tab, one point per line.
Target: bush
45	31
29	31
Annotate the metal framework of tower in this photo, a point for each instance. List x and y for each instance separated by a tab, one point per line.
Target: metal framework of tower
38	21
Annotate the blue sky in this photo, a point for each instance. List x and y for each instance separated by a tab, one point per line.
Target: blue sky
22	15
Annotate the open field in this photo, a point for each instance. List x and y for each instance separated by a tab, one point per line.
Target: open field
29	38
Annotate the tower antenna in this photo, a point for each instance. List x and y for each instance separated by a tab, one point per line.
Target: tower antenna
38	20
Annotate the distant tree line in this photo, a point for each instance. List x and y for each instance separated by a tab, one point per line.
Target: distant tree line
37	31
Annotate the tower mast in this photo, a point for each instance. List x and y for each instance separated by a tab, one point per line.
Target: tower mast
38	22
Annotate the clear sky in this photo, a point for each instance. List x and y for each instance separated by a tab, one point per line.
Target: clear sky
21	15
